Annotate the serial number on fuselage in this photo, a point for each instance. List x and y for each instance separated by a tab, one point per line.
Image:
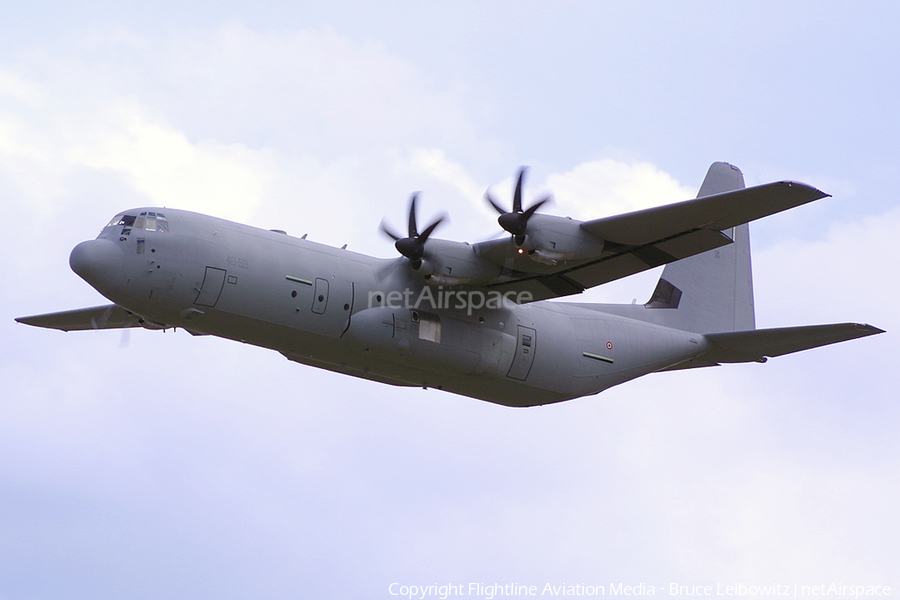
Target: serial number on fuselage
240	263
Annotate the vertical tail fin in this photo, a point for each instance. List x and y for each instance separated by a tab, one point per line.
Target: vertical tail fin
713	291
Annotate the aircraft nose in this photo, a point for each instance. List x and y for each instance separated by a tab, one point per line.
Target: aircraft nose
96	261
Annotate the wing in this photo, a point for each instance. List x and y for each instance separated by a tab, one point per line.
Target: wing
111	316
644	239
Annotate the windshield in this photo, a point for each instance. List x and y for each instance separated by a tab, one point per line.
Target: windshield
122	224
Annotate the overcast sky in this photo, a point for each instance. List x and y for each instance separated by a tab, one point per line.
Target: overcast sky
158	465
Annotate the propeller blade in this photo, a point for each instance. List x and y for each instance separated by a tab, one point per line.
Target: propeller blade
494	203
424	235
390	269
412	247
388	231
531	210
493	236
516	220
517	197
125	339
413	230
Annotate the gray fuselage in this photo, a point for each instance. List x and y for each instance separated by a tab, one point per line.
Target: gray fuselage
368	317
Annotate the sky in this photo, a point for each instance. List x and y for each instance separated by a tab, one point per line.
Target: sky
147	464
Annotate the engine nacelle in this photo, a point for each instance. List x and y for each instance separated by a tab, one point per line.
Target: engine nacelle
455	263
550	240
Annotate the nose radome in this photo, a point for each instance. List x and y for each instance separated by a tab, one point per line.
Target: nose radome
96	261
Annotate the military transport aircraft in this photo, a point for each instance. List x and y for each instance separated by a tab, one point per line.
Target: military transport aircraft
466	318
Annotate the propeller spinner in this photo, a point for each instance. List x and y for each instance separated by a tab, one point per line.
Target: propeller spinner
516	222
412	246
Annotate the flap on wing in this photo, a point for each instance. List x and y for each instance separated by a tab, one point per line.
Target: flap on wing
614	264
719	211
111	316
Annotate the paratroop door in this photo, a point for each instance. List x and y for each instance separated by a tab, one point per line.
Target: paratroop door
525	346
211	288
320	300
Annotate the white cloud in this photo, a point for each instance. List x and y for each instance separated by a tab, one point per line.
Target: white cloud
434	163
230	122
231	456
845	275
589	190
228	180
606	187
40	151
309	90
22	90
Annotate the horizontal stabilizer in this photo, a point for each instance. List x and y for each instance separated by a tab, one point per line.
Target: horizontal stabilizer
111	316
759	344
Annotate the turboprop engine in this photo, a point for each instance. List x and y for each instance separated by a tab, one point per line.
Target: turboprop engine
545	238
551	240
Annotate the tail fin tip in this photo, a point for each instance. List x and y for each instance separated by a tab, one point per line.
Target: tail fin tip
721	177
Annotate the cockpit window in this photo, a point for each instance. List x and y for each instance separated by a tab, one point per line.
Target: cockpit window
152	221
122	224
126	220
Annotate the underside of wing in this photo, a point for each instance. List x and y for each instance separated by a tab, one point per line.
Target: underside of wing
757	345
111	316
641	240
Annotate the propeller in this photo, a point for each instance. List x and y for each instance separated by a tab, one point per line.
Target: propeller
413	246
516	221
